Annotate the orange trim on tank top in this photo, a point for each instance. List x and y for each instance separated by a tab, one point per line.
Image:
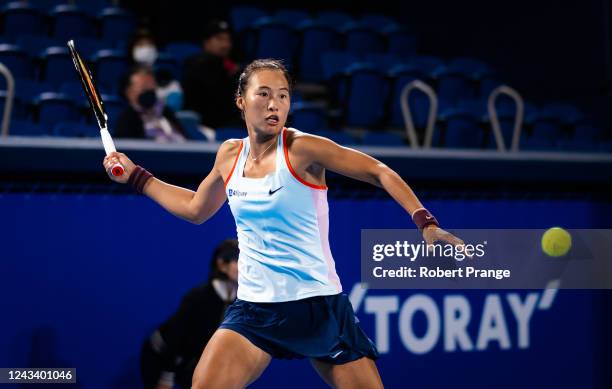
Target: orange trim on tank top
234	165
286	150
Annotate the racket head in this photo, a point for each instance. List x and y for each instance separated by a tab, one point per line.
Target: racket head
89	86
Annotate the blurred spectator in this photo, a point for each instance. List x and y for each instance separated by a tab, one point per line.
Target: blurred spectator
209	78
147	116
172	352
144	52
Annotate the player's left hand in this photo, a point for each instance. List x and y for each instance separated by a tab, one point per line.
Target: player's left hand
433	233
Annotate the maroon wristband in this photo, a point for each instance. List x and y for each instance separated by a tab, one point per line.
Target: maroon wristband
423	218
138	178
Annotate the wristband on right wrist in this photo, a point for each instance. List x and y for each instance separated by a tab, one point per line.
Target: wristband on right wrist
423	218
138	178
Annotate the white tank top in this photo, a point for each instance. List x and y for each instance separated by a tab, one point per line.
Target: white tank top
282	223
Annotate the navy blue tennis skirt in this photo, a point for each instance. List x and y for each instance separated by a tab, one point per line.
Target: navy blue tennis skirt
322	327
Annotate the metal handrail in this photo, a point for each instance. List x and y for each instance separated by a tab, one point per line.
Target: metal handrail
518	118
409	122
8	104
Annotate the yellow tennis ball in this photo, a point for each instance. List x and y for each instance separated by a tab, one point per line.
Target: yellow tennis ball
556	242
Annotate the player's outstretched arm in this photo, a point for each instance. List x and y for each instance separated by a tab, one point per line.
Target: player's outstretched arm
195	207
355	164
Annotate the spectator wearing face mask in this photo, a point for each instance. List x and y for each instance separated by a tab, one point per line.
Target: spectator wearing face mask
209	78
144	52
147	116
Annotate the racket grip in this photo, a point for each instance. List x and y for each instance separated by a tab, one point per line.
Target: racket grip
109	147
107	141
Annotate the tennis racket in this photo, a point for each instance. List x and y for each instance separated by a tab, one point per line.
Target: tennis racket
95	101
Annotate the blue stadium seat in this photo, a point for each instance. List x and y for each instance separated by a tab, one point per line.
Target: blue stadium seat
543	124
113	105
223	134
89	46
334	18
116	24
19	109
377	22
53	108
340	137
383	61
17	60
72	89
274	39
374	138
315	38
20	18
292	16
57	66
26	89
67	129
93	7
366	90
400	41
191	124
454	83
335	62
182	50
241	17
111	65
419	68
360	38
167	63
308	116
73	129
34	45
71	22
46	6
583	145
27	128
461	128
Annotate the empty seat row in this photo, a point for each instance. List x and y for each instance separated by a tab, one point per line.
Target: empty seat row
66	21
300	47
54	64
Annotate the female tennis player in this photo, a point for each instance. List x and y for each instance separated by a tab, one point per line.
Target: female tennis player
290	302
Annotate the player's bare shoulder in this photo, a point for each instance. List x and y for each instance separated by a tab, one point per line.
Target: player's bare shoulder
226	155
303	144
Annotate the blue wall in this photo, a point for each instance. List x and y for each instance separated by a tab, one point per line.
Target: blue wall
85	278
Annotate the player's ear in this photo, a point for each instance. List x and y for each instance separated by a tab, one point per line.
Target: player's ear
240	103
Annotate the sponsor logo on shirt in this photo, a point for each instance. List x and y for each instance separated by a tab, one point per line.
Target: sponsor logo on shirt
234	192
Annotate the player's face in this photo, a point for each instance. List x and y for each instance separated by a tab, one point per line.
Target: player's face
267	101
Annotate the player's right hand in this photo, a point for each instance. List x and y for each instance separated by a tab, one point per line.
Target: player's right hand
114	158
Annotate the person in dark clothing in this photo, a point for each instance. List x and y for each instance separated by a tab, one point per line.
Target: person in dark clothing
170	355
209	78
146	117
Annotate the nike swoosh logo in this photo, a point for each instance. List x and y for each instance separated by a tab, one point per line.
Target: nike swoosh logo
428	217
336	354
271	192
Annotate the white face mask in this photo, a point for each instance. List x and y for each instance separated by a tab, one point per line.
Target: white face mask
145	54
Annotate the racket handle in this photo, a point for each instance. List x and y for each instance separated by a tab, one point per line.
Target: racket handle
107	141
109	147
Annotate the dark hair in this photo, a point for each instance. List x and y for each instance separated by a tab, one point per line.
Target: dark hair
126	80
261	64
227	251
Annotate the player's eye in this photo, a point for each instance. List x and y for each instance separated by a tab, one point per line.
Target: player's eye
284	96
264	94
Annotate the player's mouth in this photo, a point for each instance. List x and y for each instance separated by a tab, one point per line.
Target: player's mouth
272	120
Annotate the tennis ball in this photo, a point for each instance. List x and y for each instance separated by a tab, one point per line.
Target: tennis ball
556	242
